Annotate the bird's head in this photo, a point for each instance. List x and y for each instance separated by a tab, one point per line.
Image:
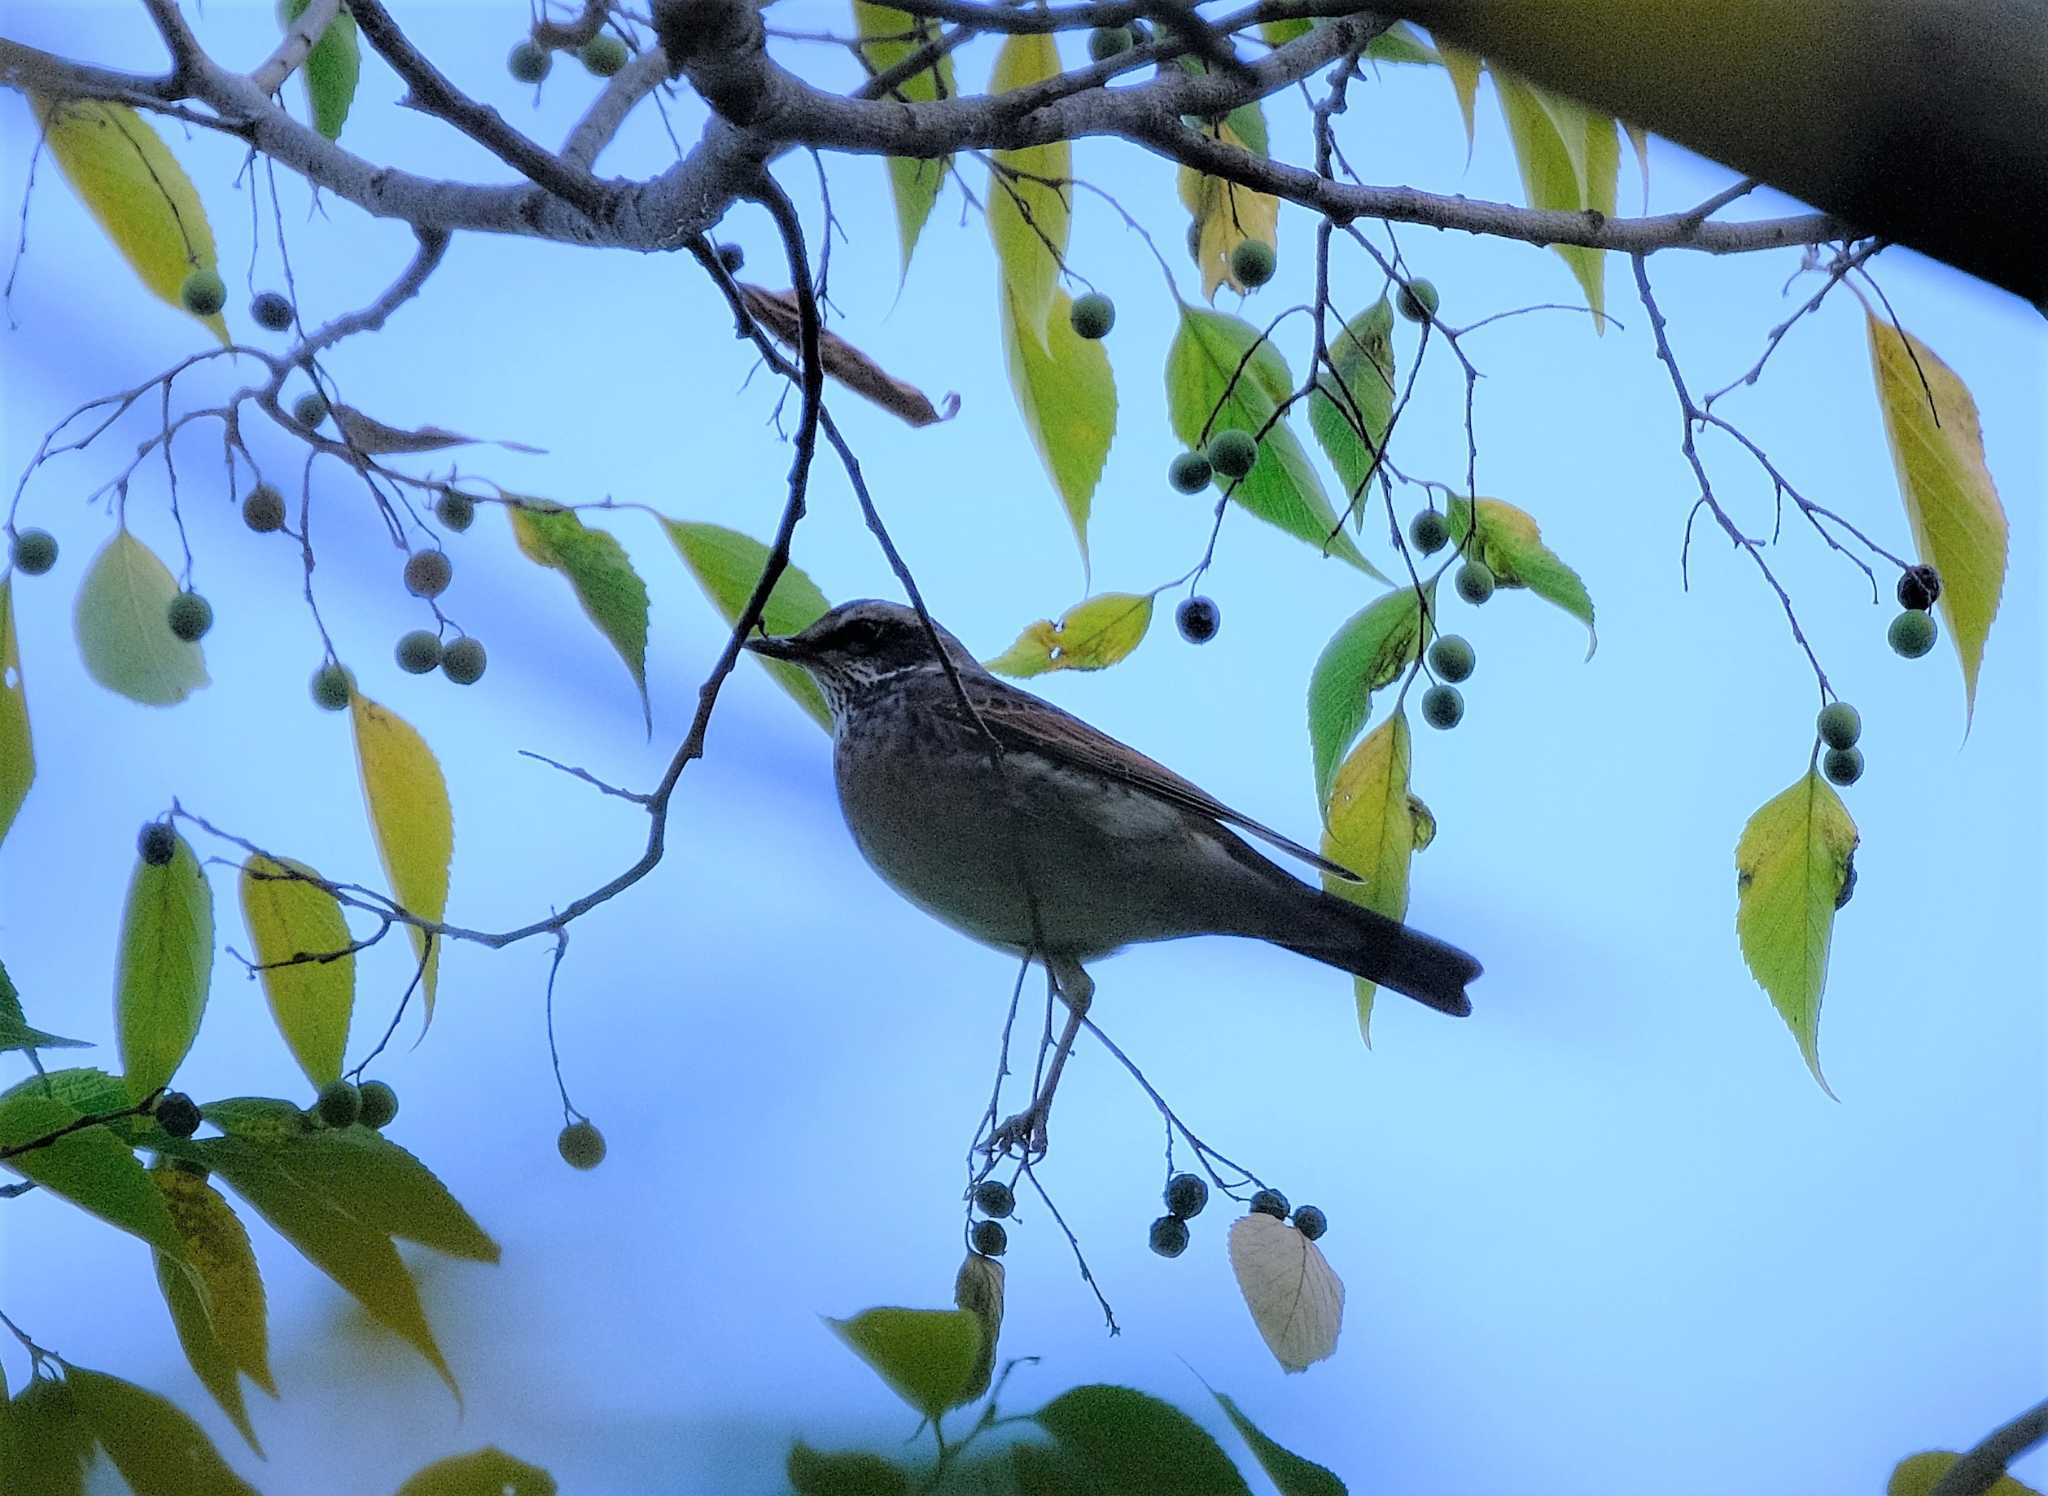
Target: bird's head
858	647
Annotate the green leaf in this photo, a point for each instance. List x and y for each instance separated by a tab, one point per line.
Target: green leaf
15	1032
330	70
1958	523
1463	68
208	1358
1374	826
1511	545
121	620
727	565
131	183
1066	393
927	1356
158	1450
386	1188
611	592
310	1001
84	1088
1570	160
1401	42
52	1445
1290	1473
1916	1476
1792	867
91	1168
1091	635
1350	413
914	183
487	1472
1136	1445
818	1472
407	799
219	1269
1373	648
1206	393
261	1119
17	750
1029	218
166	964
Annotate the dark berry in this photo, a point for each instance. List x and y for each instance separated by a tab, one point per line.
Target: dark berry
1443	707
455	511
1843	766
994	1198
1198	619
310	409
1451	658
1232	453
1186	1194
1848	890
189	616
176	1114
380	1104
35	552
1429	532
1474	581
1195	240
1189	472
1169	1236
1105	42
463	661
581	1145
1418	301
340	1104
263	510
990	1239
1252	263
1839	725
604	54
332	687
427	573
1912	633
528	62
271	311
203	293
418	651
733	258
1092	316
1919	587
1310	1221
1270	1202
157	844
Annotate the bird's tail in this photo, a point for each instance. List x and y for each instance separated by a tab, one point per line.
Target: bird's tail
1385	951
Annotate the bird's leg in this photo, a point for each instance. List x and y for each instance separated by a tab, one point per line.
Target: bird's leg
1027	1129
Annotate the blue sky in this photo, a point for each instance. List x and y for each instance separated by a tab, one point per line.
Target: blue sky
1607	1232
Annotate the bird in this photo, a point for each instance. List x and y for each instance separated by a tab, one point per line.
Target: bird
1023	827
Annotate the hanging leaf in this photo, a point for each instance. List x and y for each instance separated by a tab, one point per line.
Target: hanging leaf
777	311
843	1472
158	1450
1350	412
205	1354
122	622
330	69
52	1445
1290	1473
1206	393
1570	160
978	1289
408	804
1091	635
91	1168
1958	523
1373	648
727	565
310	1001
17	751
1917	1474
1226	214
1295	1298
927	1356
487	1472
1463	68
215	1296
1028	210
1067	396
598	568
371	436
1136	1445
15	1032
380	1184
1374	826
166	965
1793	869
131	183
913	182
1511	545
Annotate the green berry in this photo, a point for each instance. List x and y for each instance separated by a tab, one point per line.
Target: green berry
1310	1221
156	844
1429	532
1839	725
1198	619
993	1197
1186	1194
418	651
1912	633
463	661
271	311
528	62
1105	42
1169	1236
1189	472
1270	1202
604	54
1919	587
455	511
1418	301
380	1104
332	687
1252	263
1443	707
204	293
1092	316
427	573
340	1104
34	551
1474	581
176	1114
1451	658
310	409
190	616
263	510
1843	766
990	1239
581	1145
1233	452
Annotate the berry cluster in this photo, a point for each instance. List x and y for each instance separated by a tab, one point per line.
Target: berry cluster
995	1200
1912	633
1185	1196
342	1104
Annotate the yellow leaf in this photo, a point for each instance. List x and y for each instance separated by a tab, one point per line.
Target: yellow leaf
1029	217
1296	1298
310	1001
408	804
222	1267
1372	827
1091	635
1958	524
1917	1474
1463	67
1569	158
1226	215
1793	869
129	181
17	749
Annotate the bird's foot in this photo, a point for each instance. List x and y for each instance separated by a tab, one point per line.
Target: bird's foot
1022	1136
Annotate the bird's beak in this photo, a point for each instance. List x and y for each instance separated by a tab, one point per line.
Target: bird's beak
784	648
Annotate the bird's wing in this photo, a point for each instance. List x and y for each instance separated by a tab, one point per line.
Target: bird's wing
1029	723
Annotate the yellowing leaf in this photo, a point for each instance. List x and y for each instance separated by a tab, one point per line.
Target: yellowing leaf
1226	214
1374	826
1067	396
310	1001
1938	448
158	1449
598	568
1916	1476
1570	159
914	183
1511	545
1029	214
1296	1299
927	1356
1463	68
1372	649
215	1296
408	804
1091	635
166	964
129	181
17	749
728	565
978	1289
486	1472
124	633
1792	870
